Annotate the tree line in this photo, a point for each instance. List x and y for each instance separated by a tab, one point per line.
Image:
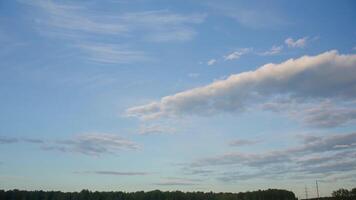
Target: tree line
344	193
340	194
270	194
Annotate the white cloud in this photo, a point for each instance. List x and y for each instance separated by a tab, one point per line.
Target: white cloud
211	62
78	24
114	54
273	51
299	43
79	20
327	75
237	54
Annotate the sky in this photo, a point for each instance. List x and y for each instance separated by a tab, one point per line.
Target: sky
223	96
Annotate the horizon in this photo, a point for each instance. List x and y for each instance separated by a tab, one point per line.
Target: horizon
223	96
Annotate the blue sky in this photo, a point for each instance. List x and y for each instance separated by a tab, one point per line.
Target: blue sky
196	95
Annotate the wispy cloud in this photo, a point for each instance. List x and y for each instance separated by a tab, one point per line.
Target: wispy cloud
114	173
273	51
298	43
163	25
156	129
328	114
237	54
178	182
109	53
10	140
71	18
80	25
211	62
242	142
321	114
319	156
193	75
92	144
7	140
76	19
255	17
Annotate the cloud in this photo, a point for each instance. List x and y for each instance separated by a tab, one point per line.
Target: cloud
317	155
319	114
10	140
163	26
237	54
115	173
327	115
179	182
203	172
193	75
302	79
78	24
156	129
68	19
7	140
241	142
33	140
78	19
299	43
256	17
273	51
114	54
211	62
92	144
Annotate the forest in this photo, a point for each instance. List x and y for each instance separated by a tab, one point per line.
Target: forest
270	194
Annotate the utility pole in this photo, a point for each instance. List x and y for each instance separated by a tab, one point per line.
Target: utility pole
306	192
317	188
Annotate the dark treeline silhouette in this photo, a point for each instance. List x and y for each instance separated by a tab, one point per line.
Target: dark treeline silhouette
340	194
270	194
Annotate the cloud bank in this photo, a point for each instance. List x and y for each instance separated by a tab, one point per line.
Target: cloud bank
329	75
323	156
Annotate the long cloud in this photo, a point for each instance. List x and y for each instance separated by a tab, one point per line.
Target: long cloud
92	144
329	75
322	156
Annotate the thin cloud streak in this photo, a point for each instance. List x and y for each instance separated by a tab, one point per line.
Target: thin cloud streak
78	25
92	144
115	173
237	54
